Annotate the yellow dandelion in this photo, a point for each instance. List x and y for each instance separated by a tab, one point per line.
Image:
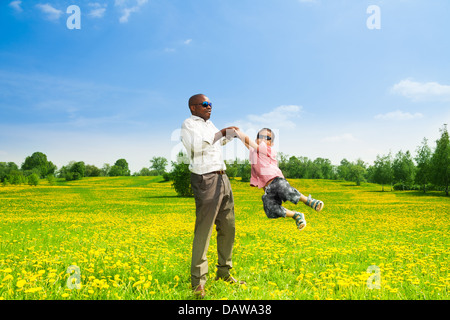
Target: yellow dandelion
138	283
33	290
8	277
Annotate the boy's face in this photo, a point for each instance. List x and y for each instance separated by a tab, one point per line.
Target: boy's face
198	110
266	136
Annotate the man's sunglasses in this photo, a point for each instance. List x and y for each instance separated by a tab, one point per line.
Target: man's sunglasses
264	137
204	104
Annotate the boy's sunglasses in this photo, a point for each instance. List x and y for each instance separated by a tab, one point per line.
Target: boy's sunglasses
204	104
264	137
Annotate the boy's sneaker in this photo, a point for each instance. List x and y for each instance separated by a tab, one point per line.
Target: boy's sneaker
300	220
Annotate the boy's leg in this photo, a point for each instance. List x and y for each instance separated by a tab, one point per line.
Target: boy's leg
272	206
294	196
289	213
315	204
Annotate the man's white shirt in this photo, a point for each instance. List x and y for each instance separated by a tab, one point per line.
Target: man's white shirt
197	136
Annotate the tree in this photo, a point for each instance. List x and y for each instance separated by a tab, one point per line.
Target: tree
158	164
104	171
440	161
144	172
6	169
356	171
293	168
322	169
181	176
116	171
92	171
121	168
382	172
39	164
403	169
78	169
282	161
73	171
423	160
344	169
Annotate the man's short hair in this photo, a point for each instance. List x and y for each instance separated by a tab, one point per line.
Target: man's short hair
193	98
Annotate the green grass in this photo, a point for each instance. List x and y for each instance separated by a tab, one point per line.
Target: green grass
131	238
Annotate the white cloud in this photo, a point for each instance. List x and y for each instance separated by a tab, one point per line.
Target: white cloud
16	5
346	137
422	91
51	12
399	115
128	7
98	10
281	117
176	46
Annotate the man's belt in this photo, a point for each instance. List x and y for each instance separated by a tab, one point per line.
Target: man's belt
219	172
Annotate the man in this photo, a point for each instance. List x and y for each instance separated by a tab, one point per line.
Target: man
212	191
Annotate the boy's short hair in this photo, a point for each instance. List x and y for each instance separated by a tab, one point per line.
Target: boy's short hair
267	129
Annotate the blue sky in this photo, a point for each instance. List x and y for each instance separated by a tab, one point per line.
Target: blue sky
311	70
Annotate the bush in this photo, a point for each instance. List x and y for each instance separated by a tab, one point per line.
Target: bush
167	176
33	179
245	171
17	177
51	179
181	176
71	176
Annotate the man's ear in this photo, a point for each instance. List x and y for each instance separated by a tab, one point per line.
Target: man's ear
192	109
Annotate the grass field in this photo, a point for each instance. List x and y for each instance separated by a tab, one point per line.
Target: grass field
130	238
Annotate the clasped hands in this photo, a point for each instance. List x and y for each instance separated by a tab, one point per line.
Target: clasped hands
229	133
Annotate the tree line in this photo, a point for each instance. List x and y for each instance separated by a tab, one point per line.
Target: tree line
37	166
428	169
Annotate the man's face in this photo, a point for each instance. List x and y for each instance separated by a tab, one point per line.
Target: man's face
197	109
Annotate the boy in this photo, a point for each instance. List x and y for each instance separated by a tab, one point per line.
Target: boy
266	174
